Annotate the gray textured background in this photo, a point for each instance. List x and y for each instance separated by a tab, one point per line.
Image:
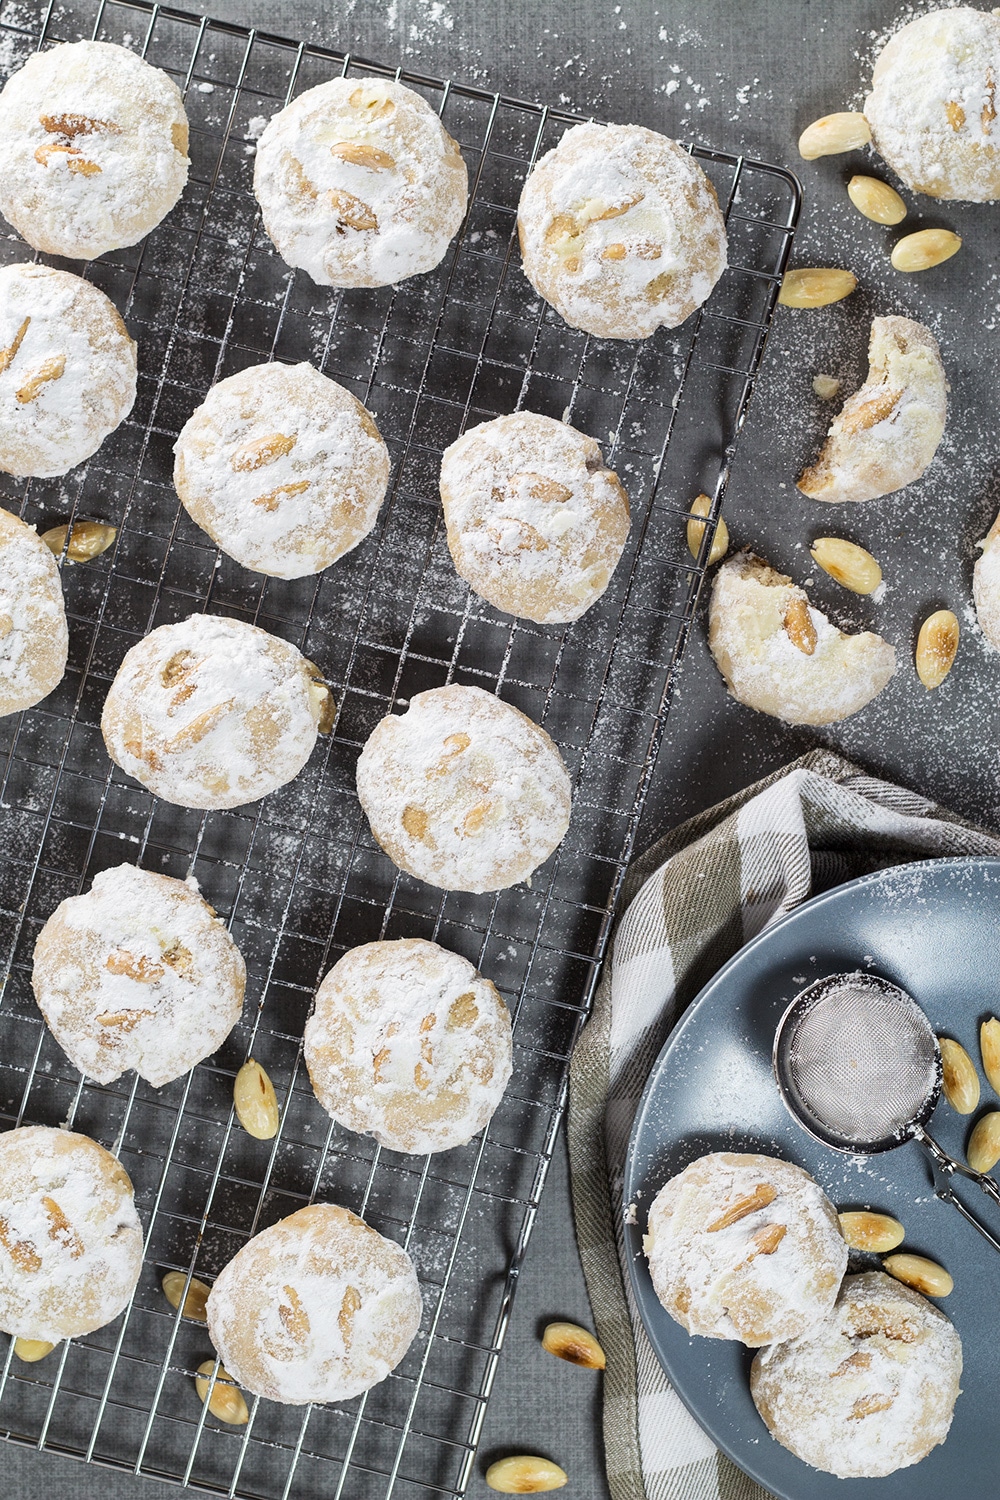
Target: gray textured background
740	77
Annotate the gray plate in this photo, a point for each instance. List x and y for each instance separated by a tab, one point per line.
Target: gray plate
933	928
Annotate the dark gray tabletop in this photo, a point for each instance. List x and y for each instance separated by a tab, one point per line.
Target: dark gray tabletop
739	77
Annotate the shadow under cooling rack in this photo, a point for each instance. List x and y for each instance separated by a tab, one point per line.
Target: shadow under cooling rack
298	876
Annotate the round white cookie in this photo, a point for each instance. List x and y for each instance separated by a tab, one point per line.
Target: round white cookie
409	1043
212	712
94	144
888	431
745	1247
67	370
70	1238
34	640
620	231
781	656
933	106
464	791
870	1390
138	973
317	1308
283	468
359	183
536	523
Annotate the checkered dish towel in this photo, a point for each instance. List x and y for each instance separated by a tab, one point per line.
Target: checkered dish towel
689	903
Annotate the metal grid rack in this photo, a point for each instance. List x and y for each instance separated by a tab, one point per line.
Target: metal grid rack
298	875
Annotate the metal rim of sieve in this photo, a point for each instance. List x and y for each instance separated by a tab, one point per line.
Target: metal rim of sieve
912	1020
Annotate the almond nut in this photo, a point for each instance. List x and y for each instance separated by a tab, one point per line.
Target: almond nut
762	1195
833	134
196	1299
983	1150
816	287
799	627
372	102
865	1230
876	200
925	248
7	355
225	1399
847	563
32	1350
323	705
574	1344
259	452
362	155
866	1406
826	386
923	1275
766	1240
255	1101
352	212
961	1081
989	1047
87	540
696	529
525	1475
50	369
937	645
861	416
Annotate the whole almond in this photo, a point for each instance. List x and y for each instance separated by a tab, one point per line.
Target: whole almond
762	1195
225	1399
989	1047
255	1101
876	200
574	1344
362	155
525	1474
32	1350
983	1150
813	286
937	645
961	1081
196	1299
834	134
87	540
923	1275
925	248
695	530
848	563
865	1230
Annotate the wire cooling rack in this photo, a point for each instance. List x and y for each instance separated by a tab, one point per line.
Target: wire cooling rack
298	875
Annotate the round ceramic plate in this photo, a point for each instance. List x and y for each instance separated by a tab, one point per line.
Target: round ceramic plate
933	928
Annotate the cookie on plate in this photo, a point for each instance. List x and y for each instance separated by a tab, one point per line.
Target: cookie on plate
359	183
283	468
933	105
317	1308
34	640
783	657
409	1043
67	370
886	433
464	791
70	1238
742	1246
621	231
138	973
870	1390
94	145
536	523
212	712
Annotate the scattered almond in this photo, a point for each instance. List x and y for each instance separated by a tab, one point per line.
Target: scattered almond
937	645
876	200
574	1344
225	1399
961	1081
696	529
525	1475
32	1350
847	563
799	627
87	540
255	1101
834	134
865	1230
324	705
925	248
816	287
826	386
194	1302
989	1047
923	1275
762	1195
983	1150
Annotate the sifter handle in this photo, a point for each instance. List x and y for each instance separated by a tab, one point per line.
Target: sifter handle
949	1166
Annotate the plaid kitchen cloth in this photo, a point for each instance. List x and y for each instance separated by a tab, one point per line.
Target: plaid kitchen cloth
688	904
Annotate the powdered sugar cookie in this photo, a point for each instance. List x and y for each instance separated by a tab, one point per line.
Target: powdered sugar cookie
283	468
212	712
620	231
783	657
536	523
745	1247
933	105
67	370
138	973
464	791
888	431
317	1308
34	640
94	146
359	183
70	1239
409	1043
870	1390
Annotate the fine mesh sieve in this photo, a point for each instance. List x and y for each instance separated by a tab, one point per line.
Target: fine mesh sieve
858	1066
